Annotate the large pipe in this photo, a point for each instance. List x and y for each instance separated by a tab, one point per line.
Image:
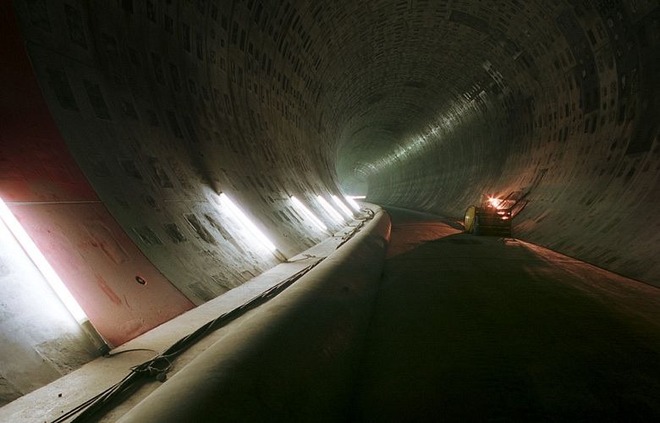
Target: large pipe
291	359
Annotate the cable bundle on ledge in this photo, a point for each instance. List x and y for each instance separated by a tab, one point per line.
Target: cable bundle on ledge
158	366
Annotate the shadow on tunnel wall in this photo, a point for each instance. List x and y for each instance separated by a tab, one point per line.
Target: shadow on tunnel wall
566	118
163	105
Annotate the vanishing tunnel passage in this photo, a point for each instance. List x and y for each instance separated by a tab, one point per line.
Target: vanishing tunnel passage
488	329
123	122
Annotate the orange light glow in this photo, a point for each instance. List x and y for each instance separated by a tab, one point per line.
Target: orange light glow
495	202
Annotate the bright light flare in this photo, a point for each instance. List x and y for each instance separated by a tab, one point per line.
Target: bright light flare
351	201
308	214
331	211
342	207
252	229
494	202
42	264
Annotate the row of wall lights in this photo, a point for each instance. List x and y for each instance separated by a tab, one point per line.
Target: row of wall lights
63	293
308	214
263	241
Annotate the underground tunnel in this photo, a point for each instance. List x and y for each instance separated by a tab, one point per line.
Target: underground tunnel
158	158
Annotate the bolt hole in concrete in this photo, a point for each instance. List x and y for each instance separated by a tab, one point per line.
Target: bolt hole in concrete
140	280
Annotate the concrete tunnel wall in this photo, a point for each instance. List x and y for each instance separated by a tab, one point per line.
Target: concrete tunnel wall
562	104
422	104
276	365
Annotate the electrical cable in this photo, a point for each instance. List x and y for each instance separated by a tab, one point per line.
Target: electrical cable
304	257
158	366
129	350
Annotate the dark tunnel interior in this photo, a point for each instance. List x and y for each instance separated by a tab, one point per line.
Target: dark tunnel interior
123	121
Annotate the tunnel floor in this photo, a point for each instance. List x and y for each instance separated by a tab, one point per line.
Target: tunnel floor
472	328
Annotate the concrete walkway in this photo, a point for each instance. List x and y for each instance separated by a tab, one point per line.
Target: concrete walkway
53	400
488	329
464	329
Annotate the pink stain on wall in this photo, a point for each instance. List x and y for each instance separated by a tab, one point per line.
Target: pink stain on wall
107	290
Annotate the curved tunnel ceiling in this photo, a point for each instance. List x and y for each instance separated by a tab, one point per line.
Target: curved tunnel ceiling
423	104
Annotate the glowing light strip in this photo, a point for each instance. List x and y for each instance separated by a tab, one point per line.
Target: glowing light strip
42	264
350	200
300	206
331	211
238	214
342	207
447	122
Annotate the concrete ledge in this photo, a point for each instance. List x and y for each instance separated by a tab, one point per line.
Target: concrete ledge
292	358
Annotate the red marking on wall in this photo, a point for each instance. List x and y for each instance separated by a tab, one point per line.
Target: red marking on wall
127	303
101	237
132	327
60	231
107	290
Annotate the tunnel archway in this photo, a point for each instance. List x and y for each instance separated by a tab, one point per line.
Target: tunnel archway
426	105
419	104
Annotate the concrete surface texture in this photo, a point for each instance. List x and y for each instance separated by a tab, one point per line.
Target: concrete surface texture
461	328
294	358
39	340
59	397
472	328
121	123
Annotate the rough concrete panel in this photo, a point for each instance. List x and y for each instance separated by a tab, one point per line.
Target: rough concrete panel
8	392
32	317
274	365
422	104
